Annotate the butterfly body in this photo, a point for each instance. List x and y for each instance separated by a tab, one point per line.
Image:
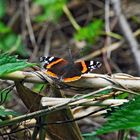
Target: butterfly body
66	71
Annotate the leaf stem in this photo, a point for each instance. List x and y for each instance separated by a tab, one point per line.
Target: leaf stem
71	18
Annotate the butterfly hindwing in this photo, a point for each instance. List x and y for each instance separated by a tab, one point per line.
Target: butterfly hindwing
87	66
71	74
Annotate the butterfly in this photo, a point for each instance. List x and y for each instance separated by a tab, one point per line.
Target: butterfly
66	71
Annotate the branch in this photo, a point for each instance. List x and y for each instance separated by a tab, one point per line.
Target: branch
51	109
48	101
89	80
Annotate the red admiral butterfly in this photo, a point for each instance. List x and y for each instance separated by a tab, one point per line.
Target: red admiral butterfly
66	71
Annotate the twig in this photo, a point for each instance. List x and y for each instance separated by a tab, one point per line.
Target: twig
134	45
90	13
14	18
113	47
47	101
107	25
30	29
50	109
115	66
70	17
46	111
96	113
78	19
97	3
42	33
106	55
48	42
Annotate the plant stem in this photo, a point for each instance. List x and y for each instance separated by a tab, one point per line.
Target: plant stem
71	18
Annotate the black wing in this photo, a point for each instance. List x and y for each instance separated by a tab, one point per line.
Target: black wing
87	66
55	66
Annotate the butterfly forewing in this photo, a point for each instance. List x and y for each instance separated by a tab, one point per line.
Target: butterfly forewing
54	66
58	68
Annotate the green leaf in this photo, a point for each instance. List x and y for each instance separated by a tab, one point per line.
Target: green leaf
126	117
52	9
2	8
12	43
90	136
46	2
91	32
38	87
10	64
5	112
137	129
4	28
4	95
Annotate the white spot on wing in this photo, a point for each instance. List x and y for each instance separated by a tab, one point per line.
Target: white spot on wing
92	67
98	64
47	62
91	63
51	58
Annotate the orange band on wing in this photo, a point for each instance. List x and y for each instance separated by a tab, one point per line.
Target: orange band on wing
84	67
72	79
51	74
53	63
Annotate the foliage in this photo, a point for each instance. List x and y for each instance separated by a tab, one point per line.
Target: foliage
9	41
137	128
52	9
124	118
90	136
4	95
11	63
6	112
4	28
38	87
91	32
2	8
